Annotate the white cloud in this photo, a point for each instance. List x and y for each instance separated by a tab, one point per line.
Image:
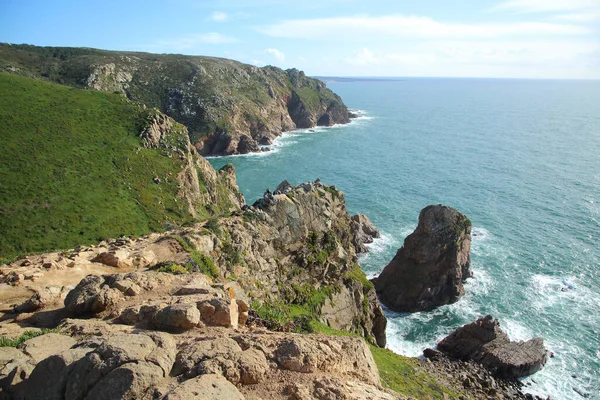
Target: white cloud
534	59
400	26
191	41
278	55
219	16
589	16
546	5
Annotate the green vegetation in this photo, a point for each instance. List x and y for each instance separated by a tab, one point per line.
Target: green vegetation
298	309
213	225
175	269
357	274
403	375
204	263
72	170
14	342
320	247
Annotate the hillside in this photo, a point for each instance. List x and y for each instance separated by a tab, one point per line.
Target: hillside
74	169
229	107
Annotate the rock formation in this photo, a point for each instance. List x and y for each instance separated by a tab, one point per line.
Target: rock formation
429	270
229	107
484	342
363	232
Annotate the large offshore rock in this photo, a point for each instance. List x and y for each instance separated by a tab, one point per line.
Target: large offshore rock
485	343
429	270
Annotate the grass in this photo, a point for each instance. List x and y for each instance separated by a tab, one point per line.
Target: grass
204	263
73	172
357	274
14	342
403	375
175	269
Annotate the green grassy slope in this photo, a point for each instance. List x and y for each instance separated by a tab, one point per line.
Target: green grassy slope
72	170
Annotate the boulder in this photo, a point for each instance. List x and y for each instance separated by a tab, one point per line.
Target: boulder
205	387
91	295
429	270
177	317
220	312
122	367
485	343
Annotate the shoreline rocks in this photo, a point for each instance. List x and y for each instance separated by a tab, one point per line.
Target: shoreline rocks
484	342
429	270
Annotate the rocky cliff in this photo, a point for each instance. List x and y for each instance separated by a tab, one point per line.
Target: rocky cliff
229	107
429	270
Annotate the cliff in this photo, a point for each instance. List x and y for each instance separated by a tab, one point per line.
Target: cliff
228	107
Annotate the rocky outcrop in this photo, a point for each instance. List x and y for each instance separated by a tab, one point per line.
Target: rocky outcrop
308	230
429	270
200	186
484	342
229	107
363	232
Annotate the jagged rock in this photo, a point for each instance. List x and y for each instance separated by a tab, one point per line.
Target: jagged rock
247	145
429	270
484	342
178	316
41	347
307	355
363	232
205	387
283	188
91	295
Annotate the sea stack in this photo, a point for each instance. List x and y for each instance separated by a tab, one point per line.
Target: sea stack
429	270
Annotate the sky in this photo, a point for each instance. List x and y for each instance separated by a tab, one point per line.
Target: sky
442	38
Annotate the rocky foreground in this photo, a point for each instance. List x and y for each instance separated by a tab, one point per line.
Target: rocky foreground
175	315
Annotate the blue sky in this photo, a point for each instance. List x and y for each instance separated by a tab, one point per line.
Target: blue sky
470	38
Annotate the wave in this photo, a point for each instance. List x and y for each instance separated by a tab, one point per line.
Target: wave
381	244
479	234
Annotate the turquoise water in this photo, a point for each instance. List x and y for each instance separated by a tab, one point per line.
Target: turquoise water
520	158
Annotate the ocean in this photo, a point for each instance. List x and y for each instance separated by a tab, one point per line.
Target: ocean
521	158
